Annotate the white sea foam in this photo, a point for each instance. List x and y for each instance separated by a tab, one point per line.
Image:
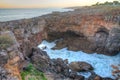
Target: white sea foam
101	63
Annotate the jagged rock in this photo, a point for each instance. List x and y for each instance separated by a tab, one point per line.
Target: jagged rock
80	66
107	79
26	48
49	76
94	76
60	66
72	74
54	68
4	75
79	77
3	58
40	59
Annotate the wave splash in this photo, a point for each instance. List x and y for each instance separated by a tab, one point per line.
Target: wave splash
101	63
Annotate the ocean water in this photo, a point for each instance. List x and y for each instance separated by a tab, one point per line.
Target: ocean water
15	14
101	63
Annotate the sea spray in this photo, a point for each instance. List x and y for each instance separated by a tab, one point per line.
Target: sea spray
101	63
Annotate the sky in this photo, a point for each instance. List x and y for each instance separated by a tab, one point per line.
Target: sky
46	3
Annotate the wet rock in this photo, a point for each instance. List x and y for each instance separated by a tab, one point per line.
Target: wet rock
79	77
94	76
72	74
97	78
108	79
80	66
116	71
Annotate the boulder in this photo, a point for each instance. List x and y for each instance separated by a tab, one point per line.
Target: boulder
80	66
94	76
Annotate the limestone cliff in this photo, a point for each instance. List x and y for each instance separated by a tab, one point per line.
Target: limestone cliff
90	29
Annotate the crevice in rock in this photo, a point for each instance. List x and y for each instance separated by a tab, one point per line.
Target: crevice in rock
64	35
103	30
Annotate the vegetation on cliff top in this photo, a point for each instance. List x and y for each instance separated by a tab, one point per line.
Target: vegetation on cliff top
5	42
32	74
114	3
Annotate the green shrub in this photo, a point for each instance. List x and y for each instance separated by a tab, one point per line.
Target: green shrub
32	74
114	3
5	42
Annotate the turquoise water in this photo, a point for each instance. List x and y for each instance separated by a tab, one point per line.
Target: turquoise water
15	14
101	63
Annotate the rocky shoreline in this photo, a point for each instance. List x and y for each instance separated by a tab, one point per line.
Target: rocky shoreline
83	29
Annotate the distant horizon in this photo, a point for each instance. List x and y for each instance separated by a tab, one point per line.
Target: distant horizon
8	4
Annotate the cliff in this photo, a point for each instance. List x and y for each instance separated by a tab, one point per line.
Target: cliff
89	29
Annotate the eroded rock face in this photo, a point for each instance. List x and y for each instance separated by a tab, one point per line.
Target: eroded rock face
86	32
88	29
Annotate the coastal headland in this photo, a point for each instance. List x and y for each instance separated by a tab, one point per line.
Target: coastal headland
93	29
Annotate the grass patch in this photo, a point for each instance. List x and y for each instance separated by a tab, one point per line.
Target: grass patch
32	74
5	41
